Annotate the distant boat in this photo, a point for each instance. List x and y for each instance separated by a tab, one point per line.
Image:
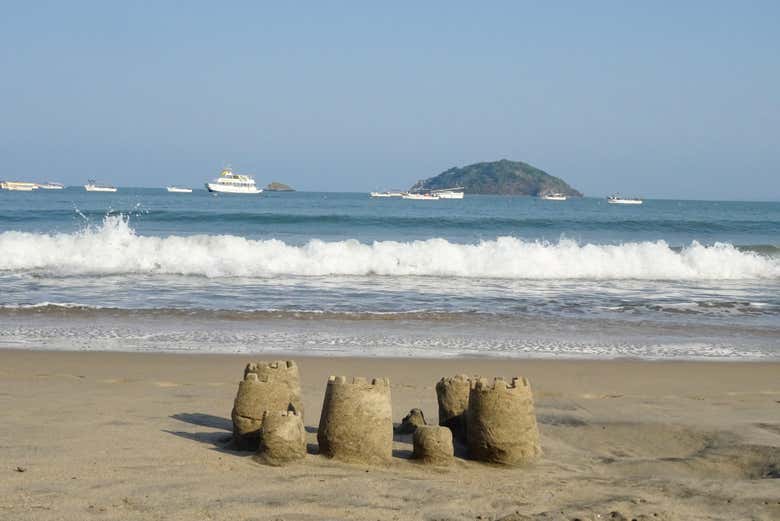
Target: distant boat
421	197
449	193
179	189
617	199
94	186
230	183
51	186
387	194
554	197
18	186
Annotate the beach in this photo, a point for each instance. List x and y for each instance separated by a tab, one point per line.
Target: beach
98	435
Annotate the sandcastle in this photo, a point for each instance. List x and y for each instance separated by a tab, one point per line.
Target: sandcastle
501	423
356	424
433	445
267	386
282	438
452	394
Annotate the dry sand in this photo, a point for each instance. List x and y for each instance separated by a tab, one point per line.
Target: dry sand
146	436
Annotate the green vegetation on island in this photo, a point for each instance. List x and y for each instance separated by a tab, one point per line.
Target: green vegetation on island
502	177
278	187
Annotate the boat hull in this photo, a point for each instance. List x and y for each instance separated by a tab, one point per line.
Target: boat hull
450	195
619	201
89	188
227	189
18	186
175	190
421	197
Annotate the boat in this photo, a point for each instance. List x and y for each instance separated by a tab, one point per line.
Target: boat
179	189
449	193
554	197
51	186
230	183
421	197
94	186
18	186
387	194
617	199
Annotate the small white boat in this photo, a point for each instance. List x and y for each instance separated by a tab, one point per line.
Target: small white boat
18	186
94	186
386	194
51	186
554	197
617	199
421	197
230	183
178	189
449	193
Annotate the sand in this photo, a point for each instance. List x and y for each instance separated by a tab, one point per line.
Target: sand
146	436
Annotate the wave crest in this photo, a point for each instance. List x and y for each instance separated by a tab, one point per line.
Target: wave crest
114	248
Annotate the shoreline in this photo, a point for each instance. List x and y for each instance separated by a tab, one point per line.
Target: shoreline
147	436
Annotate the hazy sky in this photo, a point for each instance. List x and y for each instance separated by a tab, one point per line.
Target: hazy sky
666	99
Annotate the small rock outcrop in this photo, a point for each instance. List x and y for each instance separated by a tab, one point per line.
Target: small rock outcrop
267	386
411	421
282	438
501	422
452	393
433	445
356	424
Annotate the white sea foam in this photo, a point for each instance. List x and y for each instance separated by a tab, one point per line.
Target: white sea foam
115	248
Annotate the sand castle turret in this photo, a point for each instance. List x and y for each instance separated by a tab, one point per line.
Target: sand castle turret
452	394
501	422
356	424
267	386
282	438
433	445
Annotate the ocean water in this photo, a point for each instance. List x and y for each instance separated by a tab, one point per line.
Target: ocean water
340	274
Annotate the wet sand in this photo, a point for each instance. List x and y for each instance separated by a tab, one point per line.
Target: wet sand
146	436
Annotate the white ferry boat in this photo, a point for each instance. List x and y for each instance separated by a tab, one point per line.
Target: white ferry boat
51	186
94	186
387	194
179	189
449	193
18	186
230	183
554	197
617	199
421	197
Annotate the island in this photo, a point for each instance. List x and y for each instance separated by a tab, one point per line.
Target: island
278	187
502	177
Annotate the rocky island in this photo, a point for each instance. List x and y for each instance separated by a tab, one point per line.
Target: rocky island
278	187
502	177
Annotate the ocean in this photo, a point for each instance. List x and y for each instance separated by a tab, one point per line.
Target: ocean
344	274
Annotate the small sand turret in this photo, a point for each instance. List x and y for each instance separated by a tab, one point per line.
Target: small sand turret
356	424
433	445
501	422
452	394
282	438
267	386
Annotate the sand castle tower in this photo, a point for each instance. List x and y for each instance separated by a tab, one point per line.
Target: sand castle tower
356	424
452	394
501	422
282	438
433	445
267	386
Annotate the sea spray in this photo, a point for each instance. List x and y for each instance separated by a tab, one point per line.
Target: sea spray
114	248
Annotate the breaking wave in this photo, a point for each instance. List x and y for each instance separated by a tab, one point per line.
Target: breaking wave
114	248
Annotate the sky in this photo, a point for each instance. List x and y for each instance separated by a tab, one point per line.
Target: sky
658	99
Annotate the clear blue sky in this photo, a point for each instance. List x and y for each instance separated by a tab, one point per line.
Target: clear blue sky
665	99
